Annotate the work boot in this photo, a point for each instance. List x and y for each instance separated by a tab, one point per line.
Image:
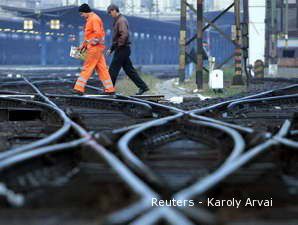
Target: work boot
76	92
142	91
109	93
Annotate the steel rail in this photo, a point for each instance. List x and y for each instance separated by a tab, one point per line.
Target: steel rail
45	141
234	126
87	86
38	83
123	130
112	101
216	177
170	108
239	143
254	96
127	176
287	142
13	83
142	189
278	98
220	174
118	104
227	169
117	131
173	216
135	183
128	214
275	79
225	103
120	97
7	92
82	96
41	82
19	96
281	91
61	80
193	112
138	166
23	156
199	214
131	159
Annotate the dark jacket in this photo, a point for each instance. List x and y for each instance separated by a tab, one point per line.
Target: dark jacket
120	33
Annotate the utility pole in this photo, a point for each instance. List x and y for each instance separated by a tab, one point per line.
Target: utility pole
198	37
200	50
182	42
273	67
245	39
286	30
237	79
245	24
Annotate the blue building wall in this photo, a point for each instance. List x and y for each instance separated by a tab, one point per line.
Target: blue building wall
221	48
214	43
154	42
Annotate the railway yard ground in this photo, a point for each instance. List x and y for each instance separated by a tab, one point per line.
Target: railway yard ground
96	159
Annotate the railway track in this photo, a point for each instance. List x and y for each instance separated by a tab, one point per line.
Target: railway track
157	147
130	178
28	124
127	151
264	87
264	112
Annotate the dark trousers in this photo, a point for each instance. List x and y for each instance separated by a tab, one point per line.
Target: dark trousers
120	60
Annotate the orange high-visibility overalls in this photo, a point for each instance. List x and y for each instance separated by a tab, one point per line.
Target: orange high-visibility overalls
95	59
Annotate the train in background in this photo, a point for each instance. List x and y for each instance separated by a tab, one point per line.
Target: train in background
53	31
287	49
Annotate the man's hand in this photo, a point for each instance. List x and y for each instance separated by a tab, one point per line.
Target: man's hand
109	52
82	48
94	41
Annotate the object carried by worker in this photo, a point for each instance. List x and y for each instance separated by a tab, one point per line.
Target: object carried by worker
77	53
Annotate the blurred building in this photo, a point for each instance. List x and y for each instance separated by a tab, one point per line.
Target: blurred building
220	5
156	9
32	3
257	12
44	37
19	3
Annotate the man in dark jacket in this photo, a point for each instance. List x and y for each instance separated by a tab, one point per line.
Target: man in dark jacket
121	49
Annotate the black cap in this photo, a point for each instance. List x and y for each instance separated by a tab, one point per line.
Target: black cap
112	7
84	8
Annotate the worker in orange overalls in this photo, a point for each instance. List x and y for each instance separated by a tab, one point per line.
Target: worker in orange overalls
94	37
